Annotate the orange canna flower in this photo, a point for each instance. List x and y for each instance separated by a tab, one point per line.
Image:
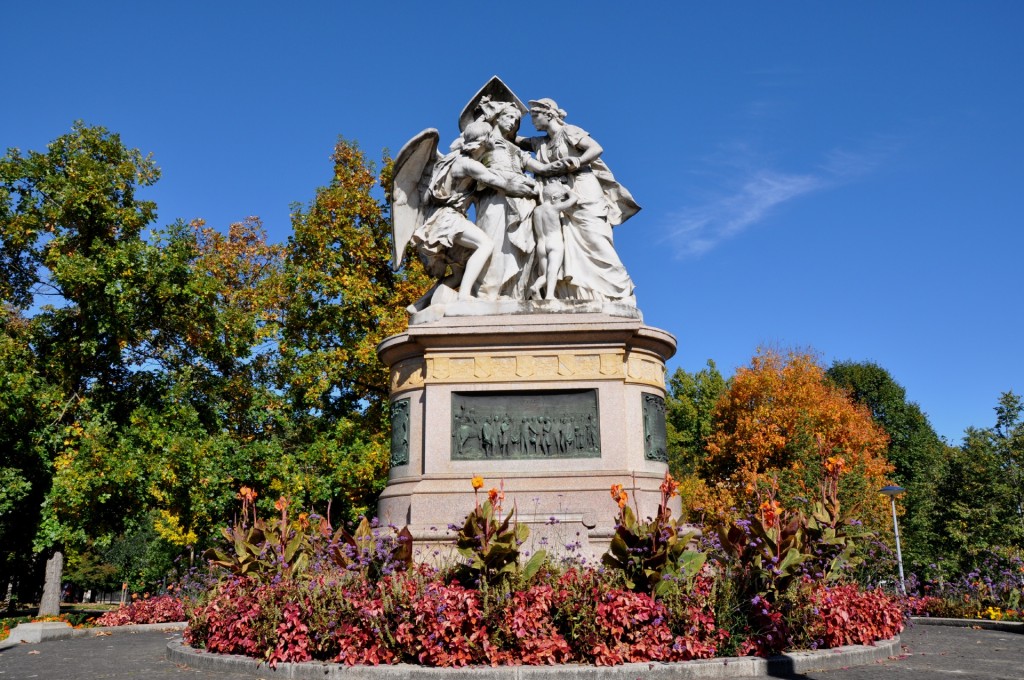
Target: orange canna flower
670	487
770	512
478	482
834	465
495	496
616	490
281	503
246	494
622	499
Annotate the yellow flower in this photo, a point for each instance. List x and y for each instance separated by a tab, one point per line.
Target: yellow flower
478	482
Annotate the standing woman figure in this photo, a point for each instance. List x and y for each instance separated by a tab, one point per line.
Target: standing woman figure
568	154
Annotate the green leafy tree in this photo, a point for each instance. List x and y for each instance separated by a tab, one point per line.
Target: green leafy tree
345	301
1008	435
70	225
981	491
916	452
689	415
29	409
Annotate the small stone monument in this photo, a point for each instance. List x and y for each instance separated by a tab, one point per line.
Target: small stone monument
527	362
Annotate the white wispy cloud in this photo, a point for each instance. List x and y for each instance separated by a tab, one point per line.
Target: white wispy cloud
699	229
754	192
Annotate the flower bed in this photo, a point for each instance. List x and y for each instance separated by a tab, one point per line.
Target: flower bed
299	591
992	591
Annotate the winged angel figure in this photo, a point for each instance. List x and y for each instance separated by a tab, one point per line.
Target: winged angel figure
432	194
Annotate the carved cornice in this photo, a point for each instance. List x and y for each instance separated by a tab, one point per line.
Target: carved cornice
636	367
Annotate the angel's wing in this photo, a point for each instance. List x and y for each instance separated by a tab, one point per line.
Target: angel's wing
413	167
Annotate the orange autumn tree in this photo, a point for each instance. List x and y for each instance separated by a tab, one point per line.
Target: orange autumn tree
782	422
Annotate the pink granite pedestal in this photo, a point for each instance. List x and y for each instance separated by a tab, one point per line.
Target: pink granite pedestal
564	500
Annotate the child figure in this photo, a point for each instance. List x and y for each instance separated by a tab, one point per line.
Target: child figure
547	228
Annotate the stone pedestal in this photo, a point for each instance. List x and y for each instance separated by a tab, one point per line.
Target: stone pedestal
596	380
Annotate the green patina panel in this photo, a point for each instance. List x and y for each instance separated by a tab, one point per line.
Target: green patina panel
524	425
655	434
400	433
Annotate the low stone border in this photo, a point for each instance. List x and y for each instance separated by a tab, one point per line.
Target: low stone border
984	624
43	631
730	667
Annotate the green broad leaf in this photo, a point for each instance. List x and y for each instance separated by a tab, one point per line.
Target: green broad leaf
792	558
629	518
534	564
691	562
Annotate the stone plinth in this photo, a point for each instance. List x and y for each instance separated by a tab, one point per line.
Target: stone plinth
594	381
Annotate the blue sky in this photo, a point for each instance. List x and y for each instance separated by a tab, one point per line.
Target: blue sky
842	176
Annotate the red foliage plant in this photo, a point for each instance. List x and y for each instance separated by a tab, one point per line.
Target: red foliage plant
848	616
529	632
159	609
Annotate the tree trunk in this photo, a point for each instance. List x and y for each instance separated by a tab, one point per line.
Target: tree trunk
9	598
49	605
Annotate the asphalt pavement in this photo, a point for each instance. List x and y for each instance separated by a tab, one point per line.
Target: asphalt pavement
929	652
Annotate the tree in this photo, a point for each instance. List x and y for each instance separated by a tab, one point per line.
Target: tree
29	409
70	225
689	411
345	301
916	452
782	418
1009	443
981	492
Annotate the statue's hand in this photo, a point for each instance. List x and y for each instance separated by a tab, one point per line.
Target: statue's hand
563	166
569	165
549	169
522	188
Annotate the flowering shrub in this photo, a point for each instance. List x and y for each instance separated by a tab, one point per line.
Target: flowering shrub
992	590
265	549
489	545
159	609
370	550
645	552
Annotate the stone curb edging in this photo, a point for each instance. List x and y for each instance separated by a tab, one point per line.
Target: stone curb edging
728	667
984	624
32	633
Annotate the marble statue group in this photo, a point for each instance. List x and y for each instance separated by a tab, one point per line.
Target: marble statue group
543	208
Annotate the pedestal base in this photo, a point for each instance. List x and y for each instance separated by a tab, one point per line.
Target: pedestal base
555	407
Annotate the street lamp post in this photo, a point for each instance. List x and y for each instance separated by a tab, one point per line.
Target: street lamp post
892	492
